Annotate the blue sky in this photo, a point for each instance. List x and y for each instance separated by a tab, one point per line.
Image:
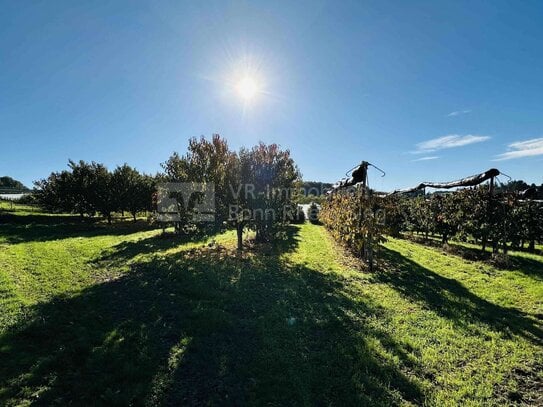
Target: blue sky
428	91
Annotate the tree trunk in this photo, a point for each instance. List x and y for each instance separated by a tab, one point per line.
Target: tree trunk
531	246
109	218
134	216
239	230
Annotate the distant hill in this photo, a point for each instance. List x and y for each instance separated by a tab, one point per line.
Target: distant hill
8	184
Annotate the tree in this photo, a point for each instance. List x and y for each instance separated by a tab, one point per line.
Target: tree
447	213
87	188
80	192
395	208
133	190
252	188
419	216
530	219
259	183
121	179
101	194
207	161
238	205
54	192
272	175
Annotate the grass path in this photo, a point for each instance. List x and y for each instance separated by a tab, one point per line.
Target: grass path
122	316
474	332
477	330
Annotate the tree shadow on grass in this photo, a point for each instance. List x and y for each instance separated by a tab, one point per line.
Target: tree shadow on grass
156	244
520	262
124	251
451	299
528	266
41	228
204	328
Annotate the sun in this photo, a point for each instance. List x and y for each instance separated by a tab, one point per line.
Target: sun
247	88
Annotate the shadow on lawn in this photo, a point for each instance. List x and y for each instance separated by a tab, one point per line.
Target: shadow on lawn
520	262
40	228
451	299
127	250
527	266
206	327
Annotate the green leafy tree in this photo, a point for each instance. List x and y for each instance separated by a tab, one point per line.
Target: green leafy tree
101	194
80	192
133	191
532	220
272	174
207	161
54	193
395	207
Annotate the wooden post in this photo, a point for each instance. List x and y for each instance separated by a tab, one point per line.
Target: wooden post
367	246
491	186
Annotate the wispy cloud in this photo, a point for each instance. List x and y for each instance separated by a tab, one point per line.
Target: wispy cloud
449	141
526	148
433	157
458	113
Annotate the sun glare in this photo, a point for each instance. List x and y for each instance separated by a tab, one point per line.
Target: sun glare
247	88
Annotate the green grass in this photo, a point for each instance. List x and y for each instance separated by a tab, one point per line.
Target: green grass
18	209
123	315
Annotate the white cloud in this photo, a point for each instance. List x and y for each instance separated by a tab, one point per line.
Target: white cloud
458	113
449	141
425	158
526	148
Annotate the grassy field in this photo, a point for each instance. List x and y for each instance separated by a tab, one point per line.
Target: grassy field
122	315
